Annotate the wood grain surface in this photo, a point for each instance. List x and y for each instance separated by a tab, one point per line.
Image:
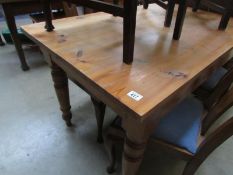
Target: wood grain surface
163	69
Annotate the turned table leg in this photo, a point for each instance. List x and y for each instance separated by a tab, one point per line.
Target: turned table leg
129	22
10	20
137	136
1	41
180	19
61	87
132	156
99	113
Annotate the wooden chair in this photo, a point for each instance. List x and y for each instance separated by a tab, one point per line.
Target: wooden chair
168	5
213	88
226	10
179	132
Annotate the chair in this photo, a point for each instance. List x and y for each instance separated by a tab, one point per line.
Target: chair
213	88
168	5
226	10
180	131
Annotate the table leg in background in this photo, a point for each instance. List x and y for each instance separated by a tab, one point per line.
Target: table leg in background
13	30
99	113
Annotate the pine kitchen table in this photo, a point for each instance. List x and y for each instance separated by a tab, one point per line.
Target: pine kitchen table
87	49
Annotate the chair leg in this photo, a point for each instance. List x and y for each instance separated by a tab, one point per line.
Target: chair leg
196	5
1	41
190	169
129	24
99	112
180	19
225	20
169	13
111	150
10	20
48	15
116	2
145	4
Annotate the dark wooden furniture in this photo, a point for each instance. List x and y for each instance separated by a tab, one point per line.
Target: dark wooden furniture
90	55
128	12
219	92
211	89
13	8
168	5
226	10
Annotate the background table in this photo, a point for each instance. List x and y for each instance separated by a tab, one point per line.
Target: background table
164	71
13	8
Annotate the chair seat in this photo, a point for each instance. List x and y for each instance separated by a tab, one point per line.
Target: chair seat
181	125
210	84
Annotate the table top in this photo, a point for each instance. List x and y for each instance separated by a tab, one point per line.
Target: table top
92	45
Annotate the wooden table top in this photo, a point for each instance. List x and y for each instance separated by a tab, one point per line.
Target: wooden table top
92	44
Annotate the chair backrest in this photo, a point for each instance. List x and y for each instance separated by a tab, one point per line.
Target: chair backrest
221	88
225	102
214	140
219	98
225	8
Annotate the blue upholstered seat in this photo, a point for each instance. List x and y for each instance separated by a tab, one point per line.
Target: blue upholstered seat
181	125
214	79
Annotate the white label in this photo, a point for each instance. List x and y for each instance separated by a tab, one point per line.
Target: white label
134	95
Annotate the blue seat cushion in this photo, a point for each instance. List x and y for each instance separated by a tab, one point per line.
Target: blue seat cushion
181	125
211	82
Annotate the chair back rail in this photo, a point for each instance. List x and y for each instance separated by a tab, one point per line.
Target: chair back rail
215	139
220	89
226	10
225	103
229	64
